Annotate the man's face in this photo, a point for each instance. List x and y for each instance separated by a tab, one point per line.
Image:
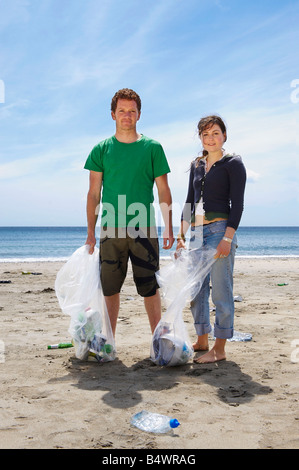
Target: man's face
126	114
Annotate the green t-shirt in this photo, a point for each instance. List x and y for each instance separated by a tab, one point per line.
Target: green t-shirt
129	171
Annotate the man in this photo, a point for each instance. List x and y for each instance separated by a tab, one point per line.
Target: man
126	166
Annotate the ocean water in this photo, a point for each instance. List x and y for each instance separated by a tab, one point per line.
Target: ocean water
58	243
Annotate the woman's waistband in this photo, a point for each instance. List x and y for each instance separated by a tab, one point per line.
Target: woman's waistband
209	224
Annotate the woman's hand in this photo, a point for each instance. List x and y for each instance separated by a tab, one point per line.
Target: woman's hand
181	245
223	249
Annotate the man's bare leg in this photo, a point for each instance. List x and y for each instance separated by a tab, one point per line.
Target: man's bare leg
113	303
217	353
153	308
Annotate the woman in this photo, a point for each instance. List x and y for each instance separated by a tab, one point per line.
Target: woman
213	207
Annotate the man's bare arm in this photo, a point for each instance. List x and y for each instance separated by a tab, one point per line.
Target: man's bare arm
93	200
165	201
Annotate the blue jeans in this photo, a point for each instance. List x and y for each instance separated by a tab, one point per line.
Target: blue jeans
221	277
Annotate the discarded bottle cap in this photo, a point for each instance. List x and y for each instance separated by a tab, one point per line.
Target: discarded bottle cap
174	423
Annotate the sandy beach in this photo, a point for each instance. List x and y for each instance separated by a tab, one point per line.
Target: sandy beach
50	399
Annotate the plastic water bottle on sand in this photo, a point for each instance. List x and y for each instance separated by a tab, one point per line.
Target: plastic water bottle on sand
239	336
154	422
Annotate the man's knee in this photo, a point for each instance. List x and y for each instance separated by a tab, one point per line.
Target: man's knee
147	292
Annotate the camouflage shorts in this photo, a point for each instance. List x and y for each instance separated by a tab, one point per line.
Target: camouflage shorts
144	255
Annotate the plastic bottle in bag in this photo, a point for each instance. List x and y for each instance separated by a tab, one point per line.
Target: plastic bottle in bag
170	351
154	422
86	330
79	292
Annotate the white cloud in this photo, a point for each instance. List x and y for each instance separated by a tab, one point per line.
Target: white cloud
252	176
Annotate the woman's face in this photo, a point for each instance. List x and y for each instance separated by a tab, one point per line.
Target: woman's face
212	139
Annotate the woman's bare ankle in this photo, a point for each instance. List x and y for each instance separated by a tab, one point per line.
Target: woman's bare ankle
202	343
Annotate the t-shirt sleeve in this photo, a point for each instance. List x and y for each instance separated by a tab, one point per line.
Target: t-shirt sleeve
94	160
160	164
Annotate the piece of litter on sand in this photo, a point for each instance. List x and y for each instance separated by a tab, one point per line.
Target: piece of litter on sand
238	336
33	274
60	346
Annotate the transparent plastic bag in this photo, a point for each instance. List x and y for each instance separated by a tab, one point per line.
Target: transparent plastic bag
79	292
179	281
184	276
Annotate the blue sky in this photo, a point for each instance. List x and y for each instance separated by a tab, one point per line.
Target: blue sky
62	61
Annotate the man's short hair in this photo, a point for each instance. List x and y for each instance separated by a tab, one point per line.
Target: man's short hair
125	94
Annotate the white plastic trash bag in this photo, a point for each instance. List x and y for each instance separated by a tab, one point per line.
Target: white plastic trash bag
79	292
171	344
184	276
180	281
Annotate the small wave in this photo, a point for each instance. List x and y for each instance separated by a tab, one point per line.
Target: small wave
164	257
32	260
268	256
